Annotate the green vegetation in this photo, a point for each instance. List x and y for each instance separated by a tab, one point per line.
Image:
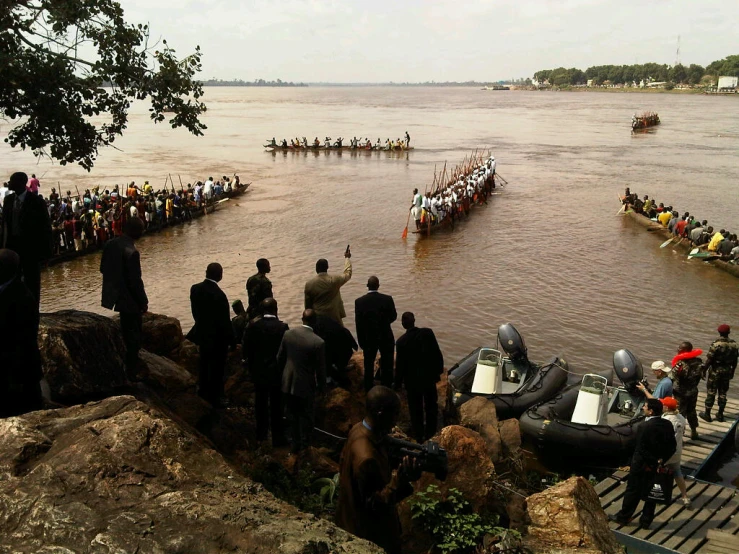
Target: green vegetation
254	83
67	61
628	74
451	522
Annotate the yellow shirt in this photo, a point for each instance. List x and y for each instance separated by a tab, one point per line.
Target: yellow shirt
715	239
664	218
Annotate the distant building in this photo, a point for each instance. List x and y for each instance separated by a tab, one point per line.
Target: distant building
727	84
590	82
657	84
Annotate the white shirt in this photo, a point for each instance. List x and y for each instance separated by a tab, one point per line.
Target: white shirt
3	192
418	200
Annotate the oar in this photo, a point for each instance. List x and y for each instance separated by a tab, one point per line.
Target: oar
678	242
668	241
694	252
405	231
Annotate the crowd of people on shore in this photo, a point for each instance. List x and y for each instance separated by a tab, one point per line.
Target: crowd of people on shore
354	143
449	201
686	227
91	218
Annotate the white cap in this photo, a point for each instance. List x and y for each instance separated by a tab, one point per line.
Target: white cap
659	365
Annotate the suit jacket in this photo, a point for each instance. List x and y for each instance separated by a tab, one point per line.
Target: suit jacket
339	341
368	491
262	340
322	293
212	316
302	361
418	360
373	313
655	440
34	241
20	360
123	288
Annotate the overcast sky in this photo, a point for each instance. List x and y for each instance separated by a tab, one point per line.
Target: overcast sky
441	40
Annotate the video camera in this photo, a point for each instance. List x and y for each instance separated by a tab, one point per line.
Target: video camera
430	456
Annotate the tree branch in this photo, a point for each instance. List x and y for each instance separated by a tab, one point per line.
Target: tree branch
57	54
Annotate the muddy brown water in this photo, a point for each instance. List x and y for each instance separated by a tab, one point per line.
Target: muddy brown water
548	253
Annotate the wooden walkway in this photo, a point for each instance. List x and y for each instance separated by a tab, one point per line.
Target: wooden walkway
710	526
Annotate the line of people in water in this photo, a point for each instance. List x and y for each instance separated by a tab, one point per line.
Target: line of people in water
91	218
354	143
686	227
448	202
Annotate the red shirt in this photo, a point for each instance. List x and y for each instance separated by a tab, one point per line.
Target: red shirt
680	226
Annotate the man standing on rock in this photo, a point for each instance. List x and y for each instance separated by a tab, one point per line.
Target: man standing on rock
720	364
419	364
369	490
123	288
262	341
323	292
27	231
301	360
258	287
655	444
20	360
374	313
212	332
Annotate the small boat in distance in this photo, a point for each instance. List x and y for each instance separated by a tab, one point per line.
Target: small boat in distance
647	119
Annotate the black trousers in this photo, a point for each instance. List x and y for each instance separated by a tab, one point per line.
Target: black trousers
386	350
300	411
131	331
422	401
268	407
31	271
687	405
211	367
636	486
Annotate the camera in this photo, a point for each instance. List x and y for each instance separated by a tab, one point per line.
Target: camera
429	456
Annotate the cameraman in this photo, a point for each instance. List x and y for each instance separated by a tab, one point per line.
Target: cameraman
368	489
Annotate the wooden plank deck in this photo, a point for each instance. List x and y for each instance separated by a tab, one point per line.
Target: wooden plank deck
711	525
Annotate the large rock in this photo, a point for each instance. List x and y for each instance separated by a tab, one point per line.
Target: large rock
162	374
161	334
510	437
117	476
479	414
81	354
568	518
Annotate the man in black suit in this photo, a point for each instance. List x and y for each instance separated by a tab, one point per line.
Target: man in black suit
374	313
419	365
20	360
302	361
655	443
261	342
339	347
27	231
123	288
212	332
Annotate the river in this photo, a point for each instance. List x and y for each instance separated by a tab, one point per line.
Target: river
548	253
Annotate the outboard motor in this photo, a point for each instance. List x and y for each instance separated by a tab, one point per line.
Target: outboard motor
628	368
512	343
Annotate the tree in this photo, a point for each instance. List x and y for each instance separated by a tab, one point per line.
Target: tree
695	73
678	73
65	62
729	66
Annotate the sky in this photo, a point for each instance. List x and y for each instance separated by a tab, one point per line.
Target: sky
352	41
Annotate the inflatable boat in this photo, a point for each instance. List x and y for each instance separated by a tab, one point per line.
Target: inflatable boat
590	424
510	381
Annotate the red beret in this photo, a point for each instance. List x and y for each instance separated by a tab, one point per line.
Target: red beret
723	329
669	402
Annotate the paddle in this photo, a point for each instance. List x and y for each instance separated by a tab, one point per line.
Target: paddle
668	241
405	231
694	252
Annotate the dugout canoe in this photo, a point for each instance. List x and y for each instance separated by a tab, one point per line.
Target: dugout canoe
197	213
663	233
523	383
644	121
310	148
590	424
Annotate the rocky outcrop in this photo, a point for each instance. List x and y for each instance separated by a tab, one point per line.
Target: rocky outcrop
161	334
568	518
119	476
162	374
502	438
81	355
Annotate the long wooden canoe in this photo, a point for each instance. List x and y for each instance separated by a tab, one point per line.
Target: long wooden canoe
310	148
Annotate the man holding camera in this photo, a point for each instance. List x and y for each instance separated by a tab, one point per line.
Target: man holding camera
369	490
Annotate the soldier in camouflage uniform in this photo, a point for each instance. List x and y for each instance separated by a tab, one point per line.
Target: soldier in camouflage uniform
720	365
686	371
258	287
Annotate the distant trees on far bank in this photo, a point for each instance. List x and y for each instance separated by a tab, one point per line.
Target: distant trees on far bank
626	74
254	83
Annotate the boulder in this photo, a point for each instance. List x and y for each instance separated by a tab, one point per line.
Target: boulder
338	410
162	374
187	355
568	518
510	437
479	414
81	355
119	476
161	334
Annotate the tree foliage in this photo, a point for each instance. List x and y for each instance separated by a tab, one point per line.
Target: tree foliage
627	74
70	70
